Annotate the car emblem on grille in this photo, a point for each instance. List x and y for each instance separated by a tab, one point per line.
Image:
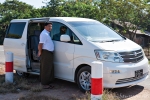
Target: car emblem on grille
135	53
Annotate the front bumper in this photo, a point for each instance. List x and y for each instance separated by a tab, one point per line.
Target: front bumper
126	77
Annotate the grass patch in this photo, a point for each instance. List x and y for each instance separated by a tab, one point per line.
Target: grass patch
18	85
107	95
33	85
37	97
37	88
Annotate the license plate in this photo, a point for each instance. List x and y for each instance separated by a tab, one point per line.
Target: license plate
139	73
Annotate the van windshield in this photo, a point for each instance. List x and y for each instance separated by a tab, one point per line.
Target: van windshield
96	31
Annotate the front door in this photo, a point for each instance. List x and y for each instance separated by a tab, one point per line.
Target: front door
63	53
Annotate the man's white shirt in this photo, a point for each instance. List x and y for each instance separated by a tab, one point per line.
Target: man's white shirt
46	40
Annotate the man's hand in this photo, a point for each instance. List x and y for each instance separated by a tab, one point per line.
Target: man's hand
39	53
40	49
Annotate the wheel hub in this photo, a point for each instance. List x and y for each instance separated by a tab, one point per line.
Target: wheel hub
85	80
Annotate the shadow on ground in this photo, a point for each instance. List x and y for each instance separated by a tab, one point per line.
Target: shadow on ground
127	92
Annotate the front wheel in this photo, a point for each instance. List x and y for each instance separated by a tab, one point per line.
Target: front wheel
84	79
22	74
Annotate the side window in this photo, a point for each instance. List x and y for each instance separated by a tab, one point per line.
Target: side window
15	30
76	39
59	29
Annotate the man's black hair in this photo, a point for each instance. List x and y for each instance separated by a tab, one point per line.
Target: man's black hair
63	27
46	23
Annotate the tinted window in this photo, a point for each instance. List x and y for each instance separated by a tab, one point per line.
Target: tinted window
59	29
15	30
56	31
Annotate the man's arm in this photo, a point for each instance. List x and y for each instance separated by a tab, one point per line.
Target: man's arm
40	49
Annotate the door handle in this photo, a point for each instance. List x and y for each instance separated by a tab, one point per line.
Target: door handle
23	44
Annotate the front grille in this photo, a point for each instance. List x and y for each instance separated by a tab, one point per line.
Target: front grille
132	56
132	79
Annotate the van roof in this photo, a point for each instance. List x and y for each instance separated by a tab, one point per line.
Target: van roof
72	19
67	19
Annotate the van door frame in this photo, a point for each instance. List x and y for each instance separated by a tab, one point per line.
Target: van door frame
29	62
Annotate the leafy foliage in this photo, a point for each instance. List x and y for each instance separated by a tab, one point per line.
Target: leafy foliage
131	15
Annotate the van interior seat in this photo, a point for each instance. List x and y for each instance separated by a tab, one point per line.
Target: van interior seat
34	41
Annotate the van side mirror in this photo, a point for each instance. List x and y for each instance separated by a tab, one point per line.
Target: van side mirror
65	38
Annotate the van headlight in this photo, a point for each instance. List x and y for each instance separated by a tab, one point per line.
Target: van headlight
143	53
108	56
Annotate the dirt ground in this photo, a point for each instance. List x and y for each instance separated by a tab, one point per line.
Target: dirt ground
69	91
62	90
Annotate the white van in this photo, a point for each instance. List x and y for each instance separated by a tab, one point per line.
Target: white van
85	41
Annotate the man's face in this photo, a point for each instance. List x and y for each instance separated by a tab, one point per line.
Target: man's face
48	27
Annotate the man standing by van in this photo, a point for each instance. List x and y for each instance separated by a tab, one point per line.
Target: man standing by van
46	48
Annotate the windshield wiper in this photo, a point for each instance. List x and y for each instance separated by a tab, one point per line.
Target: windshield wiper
107	41
112	40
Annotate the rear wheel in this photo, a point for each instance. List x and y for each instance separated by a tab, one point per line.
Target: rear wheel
22	74
84	79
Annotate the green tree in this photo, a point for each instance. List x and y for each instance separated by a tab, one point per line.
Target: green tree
52	8
130	14
79	9
17	10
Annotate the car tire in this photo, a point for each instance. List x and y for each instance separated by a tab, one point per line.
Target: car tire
84	79
22	74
